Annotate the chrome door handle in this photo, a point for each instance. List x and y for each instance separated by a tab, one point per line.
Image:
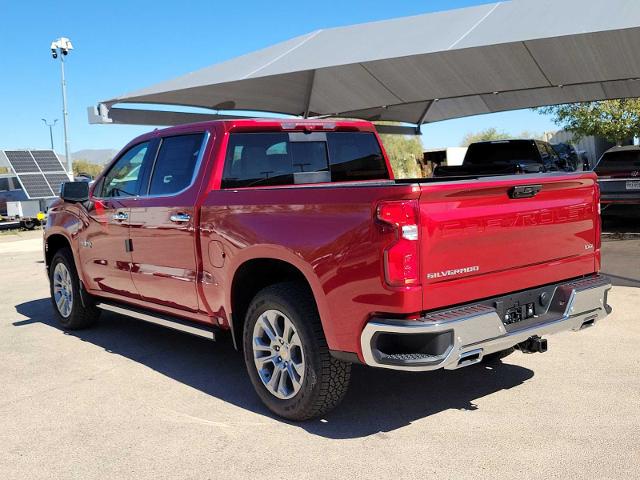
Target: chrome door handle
120	216
180	217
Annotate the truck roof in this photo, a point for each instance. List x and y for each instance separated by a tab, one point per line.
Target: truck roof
505	140
624	148
256	124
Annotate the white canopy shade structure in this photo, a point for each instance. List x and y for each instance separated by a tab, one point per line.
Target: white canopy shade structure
427	68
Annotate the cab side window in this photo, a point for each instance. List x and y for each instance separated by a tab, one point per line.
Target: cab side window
176	163
125	176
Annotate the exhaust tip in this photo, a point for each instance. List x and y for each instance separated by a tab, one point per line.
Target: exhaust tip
469	358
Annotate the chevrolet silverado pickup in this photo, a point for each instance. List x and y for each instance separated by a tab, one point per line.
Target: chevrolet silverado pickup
294	239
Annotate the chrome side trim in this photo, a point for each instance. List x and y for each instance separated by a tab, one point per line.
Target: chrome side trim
162	320
478	330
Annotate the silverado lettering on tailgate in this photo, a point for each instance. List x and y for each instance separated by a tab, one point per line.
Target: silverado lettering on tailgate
454	272
543	216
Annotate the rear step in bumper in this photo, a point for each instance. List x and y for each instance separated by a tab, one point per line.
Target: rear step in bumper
462	336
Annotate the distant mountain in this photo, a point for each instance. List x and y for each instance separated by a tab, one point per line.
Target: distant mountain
97	156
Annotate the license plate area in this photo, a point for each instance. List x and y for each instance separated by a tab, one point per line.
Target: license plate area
633	185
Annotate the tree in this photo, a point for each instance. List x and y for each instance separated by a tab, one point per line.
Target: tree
531	135
83	166
485	135
405	154
614	120
491	134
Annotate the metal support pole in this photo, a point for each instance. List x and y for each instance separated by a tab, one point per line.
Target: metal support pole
312	81
65	115
50	125
51	135
424	115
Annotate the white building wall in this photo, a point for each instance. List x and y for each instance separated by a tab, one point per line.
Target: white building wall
455	155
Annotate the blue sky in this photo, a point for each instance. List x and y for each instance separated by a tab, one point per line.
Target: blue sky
125	45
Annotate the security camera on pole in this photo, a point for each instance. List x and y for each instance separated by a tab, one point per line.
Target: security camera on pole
61	48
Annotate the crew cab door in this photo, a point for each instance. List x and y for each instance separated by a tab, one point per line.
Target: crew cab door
163	225
104	245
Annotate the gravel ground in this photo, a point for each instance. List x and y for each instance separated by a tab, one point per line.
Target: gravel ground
127	399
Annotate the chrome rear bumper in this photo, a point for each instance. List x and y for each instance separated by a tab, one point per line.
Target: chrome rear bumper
462	336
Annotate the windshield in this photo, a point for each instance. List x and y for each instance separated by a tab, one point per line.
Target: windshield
509	152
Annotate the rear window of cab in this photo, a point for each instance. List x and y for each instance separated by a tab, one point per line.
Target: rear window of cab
274	159
621	161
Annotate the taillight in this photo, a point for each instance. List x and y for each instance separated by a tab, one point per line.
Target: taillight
401	255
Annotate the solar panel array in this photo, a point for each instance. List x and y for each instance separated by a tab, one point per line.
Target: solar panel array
47	160
21	161
39	171
35	185
55	180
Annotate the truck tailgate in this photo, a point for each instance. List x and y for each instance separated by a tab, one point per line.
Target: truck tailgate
477	241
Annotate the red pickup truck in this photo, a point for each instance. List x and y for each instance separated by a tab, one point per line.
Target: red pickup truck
293	237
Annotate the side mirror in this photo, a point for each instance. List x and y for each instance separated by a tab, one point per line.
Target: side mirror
75	192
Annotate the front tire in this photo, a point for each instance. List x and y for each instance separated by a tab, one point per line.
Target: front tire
73	312
287	356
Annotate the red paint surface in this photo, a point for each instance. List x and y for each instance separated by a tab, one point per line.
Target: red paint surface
330	233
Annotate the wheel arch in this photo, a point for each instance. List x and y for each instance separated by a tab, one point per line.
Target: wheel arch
54	243
253	274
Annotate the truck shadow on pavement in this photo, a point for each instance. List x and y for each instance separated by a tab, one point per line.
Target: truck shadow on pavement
377	401
620	281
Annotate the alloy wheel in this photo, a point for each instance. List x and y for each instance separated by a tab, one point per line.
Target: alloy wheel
63	289
278	354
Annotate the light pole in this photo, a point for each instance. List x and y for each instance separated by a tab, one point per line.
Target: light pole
61	47
50	125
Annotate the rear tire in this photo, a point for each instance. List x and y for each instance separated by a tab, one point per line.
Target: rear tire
287	356
73	311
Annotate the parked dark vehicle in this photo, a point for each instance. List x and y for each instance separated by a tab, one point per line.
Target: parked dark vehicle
569	159
505	157
618	173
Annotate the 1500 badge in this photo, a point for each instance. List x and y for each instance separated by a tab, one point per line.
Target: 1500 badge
453	273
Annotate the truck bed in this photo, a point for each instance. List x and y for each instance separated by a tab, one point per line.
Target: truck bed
330	233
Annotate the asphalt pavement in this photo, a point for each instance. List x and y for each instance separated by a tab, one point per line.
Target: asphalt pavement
131	400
